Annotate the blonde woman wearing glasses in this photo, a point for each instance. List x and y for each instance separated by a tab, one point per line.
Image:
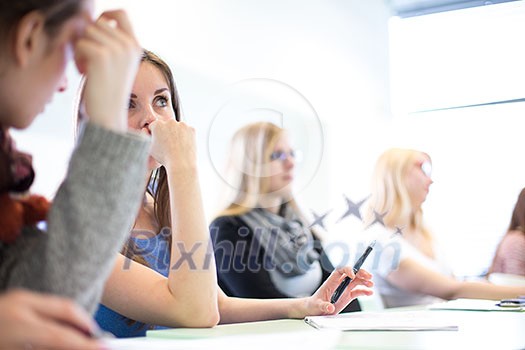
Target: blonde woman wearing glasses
264	246
165	275
408	269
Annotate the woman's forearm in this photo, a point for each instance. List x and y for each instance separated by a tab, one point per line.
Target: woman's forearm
414	277
485	290
192	275
233	310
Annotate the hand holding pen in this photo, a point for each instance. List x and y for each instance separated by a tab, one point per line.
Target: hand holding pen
319	303
357	266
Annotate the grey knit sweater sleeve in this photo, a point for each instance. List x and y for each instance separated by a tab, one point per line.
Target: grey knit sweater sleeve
90	218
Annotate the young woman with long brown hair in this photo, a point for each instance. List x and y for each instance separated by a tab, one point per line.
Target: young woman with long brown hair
171	278
86	221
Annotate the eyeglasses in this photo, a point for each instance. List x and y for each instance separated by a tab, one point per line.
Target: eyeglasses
282	156
426	167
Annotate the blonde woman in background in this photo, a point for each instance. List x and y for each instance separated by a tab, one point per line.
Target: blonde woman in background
165	275
408	269
264	246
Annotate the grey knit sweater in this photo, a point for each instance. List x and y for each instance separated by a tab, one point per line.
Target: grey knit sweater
91	215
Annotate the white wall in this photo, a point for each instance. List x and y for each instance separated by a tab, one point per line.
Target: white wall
327	62
320	68
461	58
457	58
330	58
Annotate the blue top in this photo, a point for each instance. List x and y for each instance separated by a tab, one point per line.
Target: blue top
155	250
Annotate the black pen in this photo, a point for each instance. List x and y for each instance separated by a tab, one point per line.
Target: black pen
341	288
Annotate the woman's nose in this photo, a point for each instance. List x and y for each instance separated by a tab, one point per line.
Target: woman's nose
289	162
149	118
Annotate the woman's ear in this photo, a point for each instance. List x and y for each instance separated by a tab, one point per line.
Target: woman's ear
28	37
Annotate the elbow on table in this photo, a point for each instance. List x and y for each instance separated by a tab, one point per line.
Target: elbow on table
453	291
202	318
209	319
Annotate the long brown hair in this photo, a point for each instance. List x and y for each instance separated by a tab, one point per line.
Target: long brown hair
158	184
517	221
16	171
55	11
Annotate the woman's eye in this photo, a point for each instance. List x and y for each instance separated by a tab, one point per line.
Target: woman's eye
131	104
161	101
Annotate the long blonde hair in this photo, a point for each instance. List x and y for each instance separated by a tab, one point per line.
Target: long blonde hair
247	178
390	194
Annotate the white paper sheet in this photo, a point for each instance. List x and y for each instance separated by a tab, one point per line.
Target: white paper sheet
307	339
383	321
473	305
